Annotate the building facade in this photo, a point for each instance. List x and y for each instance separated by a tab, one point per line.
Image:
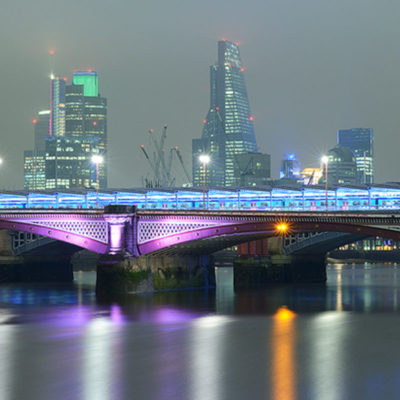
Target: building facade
228	128
361	142
341	167
34	170
68	162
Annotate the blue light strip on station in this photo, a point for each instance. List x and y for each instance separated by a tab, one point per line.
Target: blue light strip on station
303	199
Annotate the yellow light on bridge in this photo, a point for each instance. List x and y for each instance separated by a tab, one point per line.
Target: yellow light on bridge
282	227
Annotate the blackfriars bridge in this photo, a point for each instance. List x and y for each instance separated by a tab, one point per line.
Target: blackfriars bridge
174	230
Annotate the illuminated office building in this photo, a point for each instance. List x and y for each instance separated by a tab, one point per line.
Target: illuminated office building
361	142
68	162
342	167
34	170
228	128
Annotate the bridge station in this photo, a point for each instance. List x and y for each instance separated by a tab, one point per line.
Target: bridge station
307	198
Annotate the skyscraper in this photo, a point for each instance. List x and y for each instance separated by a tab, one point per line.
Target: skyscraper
228	128
361	142
57	106
68	161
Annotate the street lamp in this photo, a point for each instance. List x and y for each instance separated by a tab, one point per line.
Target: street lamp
204	159
325	160
97	159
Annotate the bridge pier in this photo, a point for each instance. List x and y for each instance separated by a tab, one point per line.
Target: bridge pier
146	274
278	267
258	273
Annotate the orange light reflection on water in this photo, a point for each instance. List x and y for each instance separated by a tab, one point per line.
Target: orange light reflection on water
283	361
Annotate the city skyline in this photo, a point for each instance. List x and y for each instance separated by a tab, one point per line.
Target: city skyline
303	88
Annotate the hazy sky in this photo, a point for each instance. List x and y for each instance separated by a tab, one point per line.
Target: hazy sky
312	66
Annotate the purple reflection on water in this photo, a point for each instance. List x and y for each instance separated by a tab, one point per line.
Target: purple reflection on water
116	315
173	316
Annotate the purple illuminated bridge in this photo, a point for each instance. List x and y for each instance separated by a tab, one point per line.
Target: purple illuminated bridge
125	230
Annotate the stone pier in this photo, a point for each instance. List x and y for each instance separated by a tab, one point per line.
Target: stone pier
278	267
146	274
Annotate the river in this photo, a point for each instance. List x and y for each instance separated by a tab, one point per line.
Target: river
339	340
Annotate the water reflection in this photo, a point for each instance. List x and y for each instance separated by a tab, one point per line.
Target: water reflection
283	379
205	344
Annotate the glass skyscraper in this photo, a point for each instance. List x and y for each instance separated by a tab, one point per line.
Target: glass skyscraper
228	128
361	142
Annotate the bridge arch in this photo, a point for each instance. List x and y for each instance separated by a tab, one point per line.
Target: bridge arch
74	238
216	238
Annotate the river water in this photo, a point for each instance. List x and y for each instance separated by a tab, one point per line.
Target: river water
340	340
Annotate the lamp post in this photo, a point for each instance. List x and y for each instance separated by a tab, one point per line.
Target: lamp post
97	159
325	160
204	159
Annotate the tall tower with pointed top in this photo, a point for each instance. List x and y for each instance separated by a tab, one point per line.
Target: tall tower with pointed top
228	128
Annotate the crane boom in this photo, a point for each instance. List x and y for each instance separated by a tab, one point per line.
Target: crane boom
147	157
178	153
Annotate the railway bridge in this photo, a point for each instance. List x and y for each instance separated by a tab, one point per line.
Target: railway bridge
167	248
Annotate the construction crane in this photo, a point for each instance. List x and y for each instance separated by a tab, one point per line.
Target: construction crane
160	162
179	155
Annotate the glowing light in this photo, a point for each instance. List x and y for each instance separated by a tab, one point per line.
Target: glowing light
284	314
242	69
204	158
142	146
89	70
65	79
224	39
324	159
251	118
217	108
97	159
94	123
34	121
282	227
204	121
51	52
151	130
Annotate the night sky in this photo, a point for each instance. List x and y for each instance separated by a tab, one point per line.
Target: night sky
312	66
